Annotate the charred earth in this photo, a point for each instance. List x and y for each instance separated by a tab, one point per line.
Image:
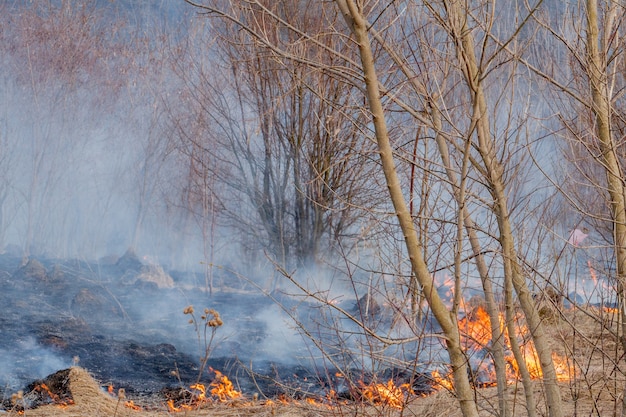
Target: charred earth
122	320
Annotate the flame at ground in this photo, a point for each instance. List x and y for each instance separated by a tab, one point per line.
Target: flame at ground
121	395
221	387
43	388
476	335
131	404
198	399
387	394
441	381
476	329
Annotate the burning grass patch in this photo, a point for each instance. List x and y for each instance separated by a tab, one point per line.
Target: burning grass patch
593	370
88	398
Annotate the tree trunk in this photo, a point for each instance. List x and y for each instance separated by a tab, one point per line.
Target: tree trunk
601	108
494	176
497	335
448	323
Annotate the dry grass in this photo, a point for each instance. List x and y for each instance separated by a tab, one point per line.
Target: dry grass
587	342
91	400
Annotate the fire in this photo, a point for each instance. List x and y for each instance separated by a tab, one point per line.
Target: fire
172	407
476	334
130	404
54	397
312	401
222	388
201	397
476	329
121	395
387	394
565	370
441	381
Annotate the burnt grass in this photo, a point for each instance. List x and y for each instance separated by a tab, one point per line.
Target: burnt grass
131	333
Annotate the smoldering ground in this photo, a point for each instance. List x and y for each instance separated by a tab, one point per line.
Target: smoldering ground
118	322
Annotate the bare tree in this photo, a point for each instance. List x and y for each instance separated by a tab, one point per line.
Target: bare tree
272	139
54	52
456	107
588	88
85	127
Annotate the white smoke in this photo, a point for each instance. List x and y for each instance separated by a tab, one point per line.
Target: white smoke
28	361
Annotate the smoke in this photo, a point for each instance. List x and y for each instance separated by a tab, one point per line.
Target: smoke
26	360
283	342
88	171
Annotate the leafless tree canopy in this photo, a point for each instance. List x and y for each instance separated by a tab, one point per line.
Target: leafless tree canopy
436	159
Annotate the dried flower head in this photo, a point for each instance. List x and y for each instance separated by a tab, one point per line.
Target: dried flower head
216	321
188	310
121	393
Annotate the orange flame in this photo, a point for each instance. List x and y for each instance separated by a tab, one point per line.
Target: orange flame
312	401
201	396
130	404
172	407
441	381
387	394
54	397
222	388
476	334
476	329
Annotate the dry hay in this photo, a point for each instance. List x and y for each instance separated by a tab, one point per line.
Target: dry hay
91	400
584	336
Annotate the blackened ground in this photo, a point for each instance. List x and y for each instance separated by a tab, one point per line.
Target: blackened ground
123	321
